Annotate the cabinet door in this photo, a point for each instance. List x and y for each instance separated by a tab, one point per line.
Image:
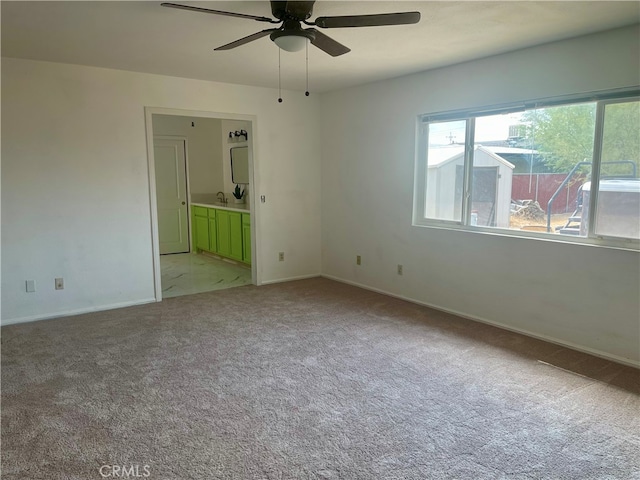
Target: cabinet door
246	243
224	235
202	233
213	235
246	238
235	234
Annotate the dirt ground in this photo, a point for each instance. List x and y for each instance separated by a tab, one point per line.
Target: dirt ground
517	223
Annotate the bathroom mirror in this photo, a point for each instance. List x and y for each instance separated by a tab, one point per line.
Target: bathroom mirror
240	165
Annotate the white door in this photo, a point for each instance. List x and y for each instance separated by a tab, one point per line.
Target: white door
171	195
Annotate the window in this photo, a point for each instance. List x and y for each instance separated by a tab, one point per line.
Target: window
566	170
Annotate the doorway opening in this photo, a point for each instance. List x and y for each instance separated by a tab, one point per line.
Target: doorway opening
194	212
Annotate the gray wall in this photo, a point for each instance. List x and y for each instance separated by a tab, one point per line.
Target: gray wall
204	145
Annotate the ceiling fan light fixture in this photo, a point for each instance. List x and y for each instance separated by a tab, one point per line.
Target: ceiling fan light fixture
292	41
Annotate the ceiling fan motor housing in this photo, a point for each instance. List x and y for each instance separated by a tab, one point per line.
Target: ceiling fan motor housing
297	10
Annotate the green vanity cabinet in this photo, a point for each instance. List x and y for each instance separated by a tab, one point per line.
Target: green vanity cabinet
223	232
246	238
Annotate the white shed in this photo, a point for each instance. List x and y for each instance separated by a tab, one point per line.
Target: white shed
491	195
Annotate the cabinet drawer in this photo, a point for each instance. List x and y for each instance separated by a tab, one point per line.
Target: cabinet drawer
200	211
212	212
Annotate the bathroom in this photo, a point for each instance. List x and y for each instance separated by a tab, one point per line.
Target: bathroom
200	163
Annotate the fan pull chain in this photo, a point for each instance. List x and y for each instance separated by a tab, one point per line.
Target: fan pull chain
279	80
307	54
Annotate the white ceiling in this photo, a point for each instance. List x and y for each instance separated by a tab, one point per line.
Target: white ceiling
145	37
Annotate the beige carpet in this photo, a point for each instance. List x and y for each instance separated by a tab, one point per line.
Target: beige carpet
307	380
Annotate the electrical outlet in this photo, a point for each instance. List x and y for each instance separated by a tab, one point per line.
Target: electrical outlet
30	286
59	283
358	260
281	257
399	269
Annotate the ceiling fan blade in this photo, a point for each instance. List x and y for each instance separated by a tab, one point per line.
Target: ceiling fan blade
247	39
218	12
376	20
327	44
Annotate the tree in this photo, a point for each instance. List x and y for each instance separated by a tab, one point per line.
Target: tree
564	135
621	138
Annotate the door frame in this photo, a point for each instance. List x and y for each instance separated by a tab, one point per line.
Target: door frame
254	179
186	181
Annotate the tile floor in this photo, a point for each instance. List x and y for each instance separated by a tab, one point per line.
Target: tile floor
188	273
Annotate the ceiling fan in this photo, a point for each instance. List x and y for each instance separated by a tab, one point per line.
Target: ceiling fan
290	35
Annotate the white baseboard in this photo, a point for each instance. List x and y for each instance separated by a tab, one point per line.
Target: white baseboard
80	311
291	279
546	338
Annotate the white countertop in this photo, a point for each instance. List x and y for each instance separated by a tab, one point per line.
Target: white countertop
234	207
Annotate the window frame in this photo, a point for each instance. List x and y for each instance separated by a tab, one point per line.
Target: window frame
602	99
